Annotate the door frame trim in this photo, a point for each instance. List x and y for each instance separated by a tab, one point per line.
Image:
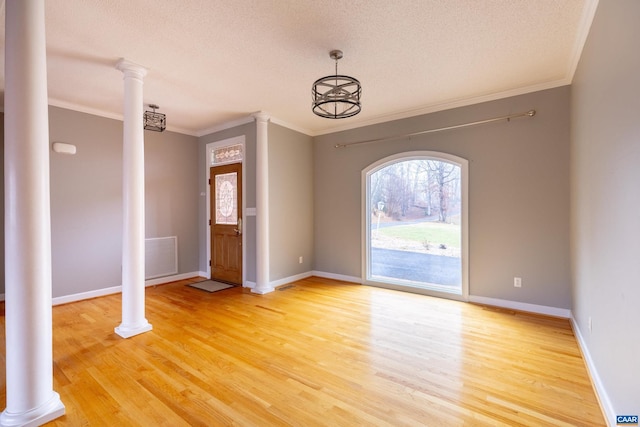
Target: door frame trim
366	223
212	146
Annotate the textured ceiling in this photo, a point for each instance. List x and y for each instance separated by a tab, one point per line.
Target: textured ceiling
213	62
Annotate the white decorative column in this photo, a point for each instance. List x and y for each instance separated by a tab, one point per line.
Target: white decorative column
133	318
29	360
263	285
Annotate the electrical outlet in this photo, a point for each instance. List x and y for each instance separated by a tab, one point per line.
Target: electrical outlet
517	282
590	324
300	260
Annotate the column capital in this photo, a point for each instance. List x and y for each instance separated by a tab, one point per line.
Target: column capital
261	116
131	69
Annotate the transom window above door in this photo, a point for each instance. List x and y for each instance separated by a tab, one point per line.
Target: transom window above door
223	155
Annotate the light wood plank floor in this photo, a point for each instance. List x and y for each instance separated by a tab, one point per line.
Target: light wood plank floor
318	353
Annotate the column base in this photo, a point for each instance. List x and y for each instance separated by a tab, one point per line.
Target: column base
262	291
128	331
35	417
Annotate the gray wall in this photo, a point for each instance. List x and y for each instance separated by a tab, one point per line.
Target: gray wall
291	199
86	199
518	193
290	202
249	132
2	203
605	153
171	192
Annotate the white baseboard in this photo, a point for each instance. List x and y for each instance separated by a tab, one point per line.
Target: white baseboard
522	306
86	295
601	392
275	283
255	290
161	280
175	277
290	279
118	289
334	276
262	291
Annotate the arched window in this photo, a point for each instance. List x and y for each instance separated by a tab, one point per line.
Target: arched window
415	231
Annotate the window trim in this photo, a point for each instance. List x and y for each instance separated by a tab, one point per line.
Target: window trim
366	220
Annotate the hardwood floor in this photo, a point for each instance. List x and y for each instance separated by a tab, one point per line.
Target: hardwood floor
320	352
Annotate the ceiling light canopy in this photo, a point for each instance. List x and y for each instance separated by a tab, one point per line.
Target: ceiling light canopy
337	96
154	121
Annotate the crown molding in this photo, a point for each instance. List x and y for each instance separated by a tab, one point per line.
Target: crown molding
106	114
448	106
224	126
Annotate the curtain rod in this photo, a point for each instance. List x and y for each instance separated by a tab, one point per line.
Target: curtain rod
529	113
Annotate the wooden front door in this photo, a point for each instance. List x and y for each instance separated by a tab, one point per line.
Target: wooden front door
226	223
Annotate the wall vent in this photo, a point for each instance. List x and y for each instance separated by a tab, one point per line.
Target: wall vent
161	257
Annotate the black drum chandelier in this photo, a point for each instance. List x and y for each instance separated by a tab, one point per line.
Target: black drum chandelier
156	122
337	96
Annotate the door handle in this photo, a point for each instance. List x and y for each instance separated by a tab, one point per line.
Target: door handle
239	229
